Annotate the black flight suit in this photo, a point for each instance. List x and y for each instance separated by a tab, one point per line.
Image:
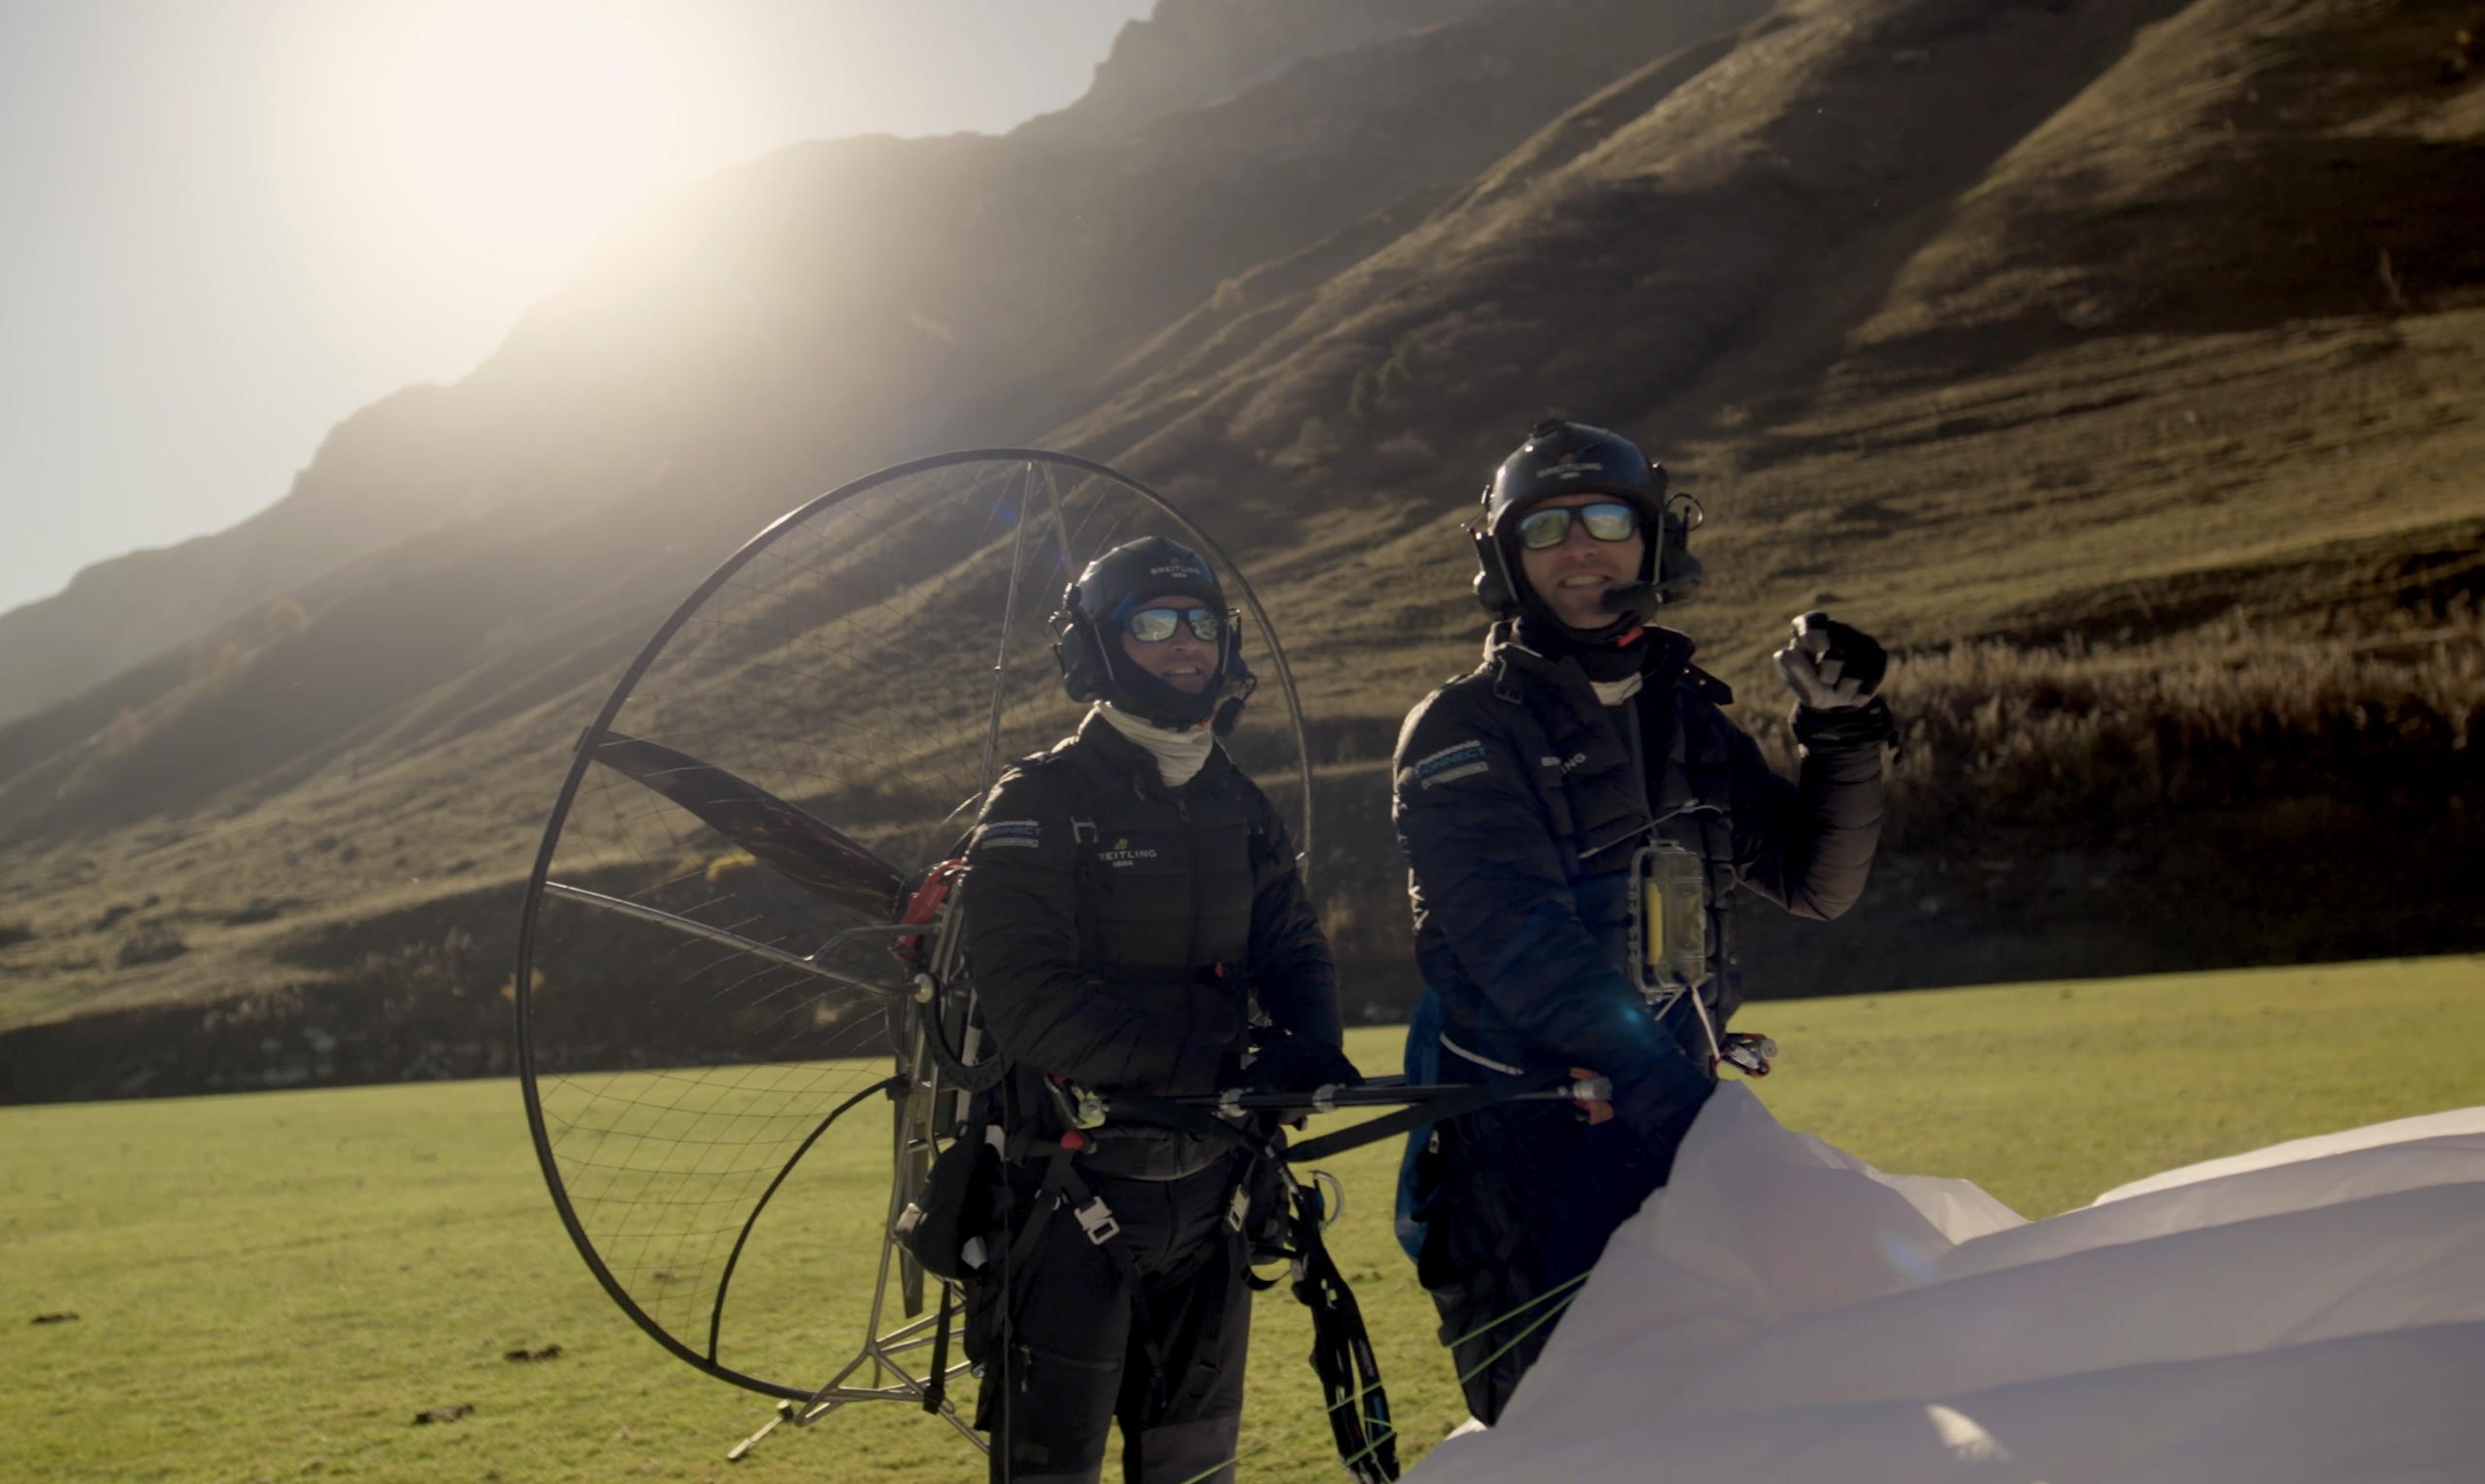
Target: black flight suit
1520	799
1116	929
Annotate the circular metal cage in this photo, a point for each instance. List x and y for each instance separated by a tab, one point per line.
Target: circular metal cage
705	973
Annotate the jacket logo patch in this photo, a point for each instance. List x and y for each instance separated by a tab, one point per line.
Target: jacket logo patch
1448	764
1122	855
1001	832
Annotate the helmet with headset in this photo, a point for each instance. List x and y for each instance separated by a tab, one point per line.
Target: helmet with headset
1561	458
1095	611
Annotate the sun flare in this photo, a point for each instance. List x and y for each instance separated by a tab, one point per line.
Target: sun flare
527	123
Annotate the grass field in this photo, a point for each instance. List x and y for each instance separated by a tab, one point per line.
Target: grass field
271	1286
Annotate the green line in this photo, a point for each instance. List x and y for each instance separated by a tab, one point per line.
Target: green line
1214	1467
1360	1391
1350	1459
1541	1320
1496	1322
1367	1419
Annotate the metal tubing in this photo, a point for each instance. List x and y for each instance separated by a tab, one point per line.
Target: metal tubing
691	928
1590	1089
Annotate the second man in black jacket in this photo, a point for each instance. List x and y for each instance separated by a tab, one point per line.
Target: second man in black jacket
1579	815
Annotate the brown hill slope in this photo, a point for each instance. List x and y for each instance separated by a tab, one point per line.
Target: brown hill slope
1956	386
1976	316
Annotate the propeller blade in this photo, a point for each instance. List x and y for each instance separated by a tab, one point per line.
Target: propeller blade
812	854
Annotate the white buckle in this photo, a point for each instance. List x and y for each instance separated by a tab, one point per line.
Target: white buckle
1239	1208
1096	1219
1324	1099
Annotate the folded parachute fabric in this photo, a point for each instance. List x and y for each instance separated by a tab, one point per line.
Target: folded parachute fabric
1783	1313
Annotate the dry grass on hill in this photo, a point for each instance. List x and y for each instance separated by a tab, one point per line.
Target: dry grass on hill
2221	717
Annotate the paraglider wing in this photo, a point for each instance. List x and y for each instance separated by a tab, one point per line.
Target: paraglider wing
808	852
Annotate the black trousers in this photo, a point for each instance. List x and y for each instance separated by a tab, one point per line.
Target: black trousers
1519	1201
1086	1346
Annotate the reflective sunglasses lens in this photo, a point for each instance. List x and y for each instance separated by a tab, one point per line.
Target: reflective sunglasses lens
1153	625
1156	625
1544	529
1611	522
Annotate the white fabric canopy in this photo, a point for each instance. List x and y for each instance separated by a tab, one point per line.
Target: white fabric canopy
1783	1313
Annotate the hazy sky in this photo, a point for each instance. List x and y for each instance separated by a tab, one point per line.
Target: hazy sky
231	222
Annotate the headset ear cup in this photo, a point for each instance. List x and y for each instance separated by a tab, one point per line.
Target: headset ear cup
1493	587
1678	570
1082	664
1235	671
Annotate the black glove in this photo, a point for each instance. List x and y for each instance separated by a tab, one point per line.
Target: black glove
1658	1107
1284	1062
1830	666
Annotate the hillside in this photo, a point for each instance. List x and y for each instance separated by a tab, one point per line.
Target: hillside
840	303
2139	343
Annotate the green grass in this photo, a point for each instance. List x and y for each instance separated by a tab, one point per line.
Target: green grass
271	1286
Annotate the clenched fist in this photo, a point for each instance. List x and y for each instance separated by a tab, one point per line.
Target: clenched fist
1830	666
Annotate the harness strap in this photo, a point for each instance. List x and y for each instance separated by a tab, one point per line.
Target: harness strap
1063	1187
1341	1353
1342	1357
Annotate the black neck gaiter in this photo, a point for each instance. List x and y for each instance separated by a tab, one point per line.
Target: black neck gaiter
1609	654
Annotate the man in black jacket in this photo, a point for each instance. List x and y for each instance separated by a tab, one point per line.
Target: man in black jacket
1130	896
1579	813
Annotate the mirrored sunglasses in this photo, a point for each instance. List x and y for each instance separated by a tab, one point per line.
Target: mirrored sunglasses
1551	526
1156	625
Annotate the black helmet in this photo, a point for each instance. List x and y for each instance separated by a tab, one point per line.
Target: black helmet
1086	633
1572	458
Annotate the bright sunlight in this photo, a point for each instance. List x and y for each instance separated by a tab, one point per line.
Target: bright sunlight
527	123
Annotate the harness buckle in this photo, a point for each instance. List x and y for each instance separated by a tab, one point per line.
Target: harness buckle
1096	1219
1747	1053
1238	1209
1082	832
1087	1111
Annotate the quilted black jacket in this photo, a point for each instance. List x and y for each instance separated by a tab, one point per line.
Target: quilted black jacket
1115	927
